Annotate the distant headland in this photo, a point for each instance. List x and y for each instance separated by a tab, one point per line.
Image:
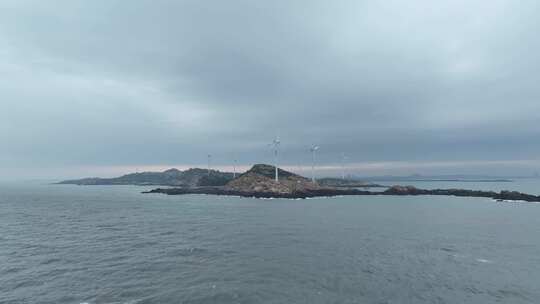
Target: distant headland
194	177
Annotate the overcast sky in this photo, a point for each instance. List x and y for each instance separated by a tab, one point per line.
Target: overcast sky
105	87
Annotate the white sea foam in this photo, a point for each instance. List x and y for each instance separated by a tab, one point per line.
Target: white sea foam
516	201
127	302
484	261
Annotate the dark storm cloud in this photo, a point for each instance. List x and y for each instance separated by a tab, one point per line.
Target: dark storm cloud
164	82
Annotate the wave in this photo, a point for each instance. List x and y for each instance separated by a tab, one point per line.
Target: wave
516	201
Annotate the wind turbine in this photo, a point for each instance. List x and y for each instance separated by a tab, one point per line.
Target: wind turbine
209	159
234	168
343	159
275	144
313	149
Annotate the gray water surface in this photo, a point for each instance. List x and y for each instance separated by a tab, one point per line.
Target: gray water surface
111	244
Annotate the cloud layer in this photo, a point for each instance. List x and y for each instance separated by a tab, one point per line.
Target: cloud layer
116	83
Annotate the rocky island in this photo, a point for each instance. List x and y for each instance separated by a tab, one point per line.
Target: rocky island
259	182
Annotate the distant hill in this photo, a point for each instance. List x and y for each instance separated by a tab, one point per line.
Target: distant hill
194	177
260	179
347	183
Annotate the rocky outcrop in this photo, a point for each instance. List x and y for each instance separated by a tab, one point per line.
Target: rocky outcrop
501	196
516	196
261	178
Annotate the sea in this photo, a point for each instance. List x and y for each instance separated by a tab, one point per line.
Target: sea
113	244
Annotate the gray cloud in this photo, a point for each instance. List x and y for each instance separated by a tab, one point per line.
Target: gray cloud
115	83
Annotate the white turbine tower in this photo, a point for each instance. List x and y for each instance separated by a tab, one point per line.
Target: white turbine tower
209	159
343	159
313	149
275	145
234	168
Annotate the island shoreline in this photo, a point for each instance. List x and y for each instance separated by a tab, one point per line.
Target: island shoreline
333	192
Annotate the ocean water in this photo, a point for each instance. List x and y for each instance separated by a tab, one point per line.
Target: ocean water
112	244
